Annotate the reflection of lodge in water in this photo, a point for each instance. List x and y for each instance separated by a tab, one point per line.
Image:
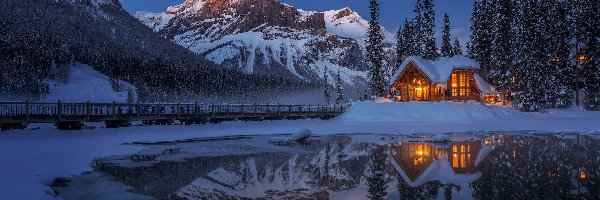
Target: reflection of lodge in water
414	159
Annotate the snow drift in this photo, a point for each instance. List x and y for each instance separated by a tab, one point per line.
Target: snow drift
426	111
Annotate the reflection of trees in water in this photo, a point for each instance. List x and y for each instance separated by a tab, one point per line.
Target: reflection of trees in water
448	190
591	169
527	167
426	191
376	181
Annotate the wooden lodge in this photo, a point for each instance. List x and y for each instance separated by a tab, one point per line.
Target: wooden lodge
447	79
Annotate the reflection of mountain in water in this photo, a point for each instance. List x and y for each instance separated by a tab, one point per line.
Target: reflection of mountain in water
320	168
496	167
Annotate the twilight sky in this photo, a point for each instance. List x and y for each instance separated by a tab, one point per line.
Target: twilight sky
393	12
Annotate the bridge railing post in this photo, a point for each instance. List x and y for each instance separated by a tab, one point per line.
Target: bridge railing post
196	110
158	111
242	109
212	107
88	110
59	111
318	109
178	110
27	111
114	110
137	110
279	110
255	109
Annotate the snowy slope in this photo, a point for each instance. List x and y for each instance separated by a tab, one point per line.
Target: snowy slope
86	84
269	37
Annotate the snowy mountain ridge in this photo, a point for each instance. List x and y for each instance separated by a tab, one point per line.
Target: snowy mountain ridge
269	37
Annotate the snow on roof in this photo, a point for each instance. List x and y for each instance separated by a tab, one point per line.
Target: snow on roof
483	85
438	71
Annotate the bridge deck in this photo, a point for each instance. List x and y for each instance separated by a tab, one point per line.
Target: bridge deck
26	112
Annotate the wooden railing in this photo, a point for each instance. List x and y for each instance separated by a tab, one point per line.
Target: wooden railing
48	112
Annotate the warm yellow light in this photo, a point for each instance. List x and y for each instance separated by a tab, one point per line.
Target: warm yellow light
514	154
555	60
419	88
513	80
454	85
582	175
582	57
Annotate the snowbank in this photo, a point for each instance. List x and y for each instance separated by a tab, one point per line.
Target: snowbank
86	84
426	111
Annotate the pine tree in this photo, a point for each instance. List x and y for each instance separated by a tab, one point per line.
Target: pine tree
480	44
456	48
528	57
559	73
430	51
375	52
589	24
326	92
499	66
400	50
376	181
408	35
417	29
446	49
339	88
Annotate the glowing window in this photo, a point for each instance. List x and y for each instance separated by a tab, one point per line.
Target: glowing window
454	81
463	80
454	148
455	161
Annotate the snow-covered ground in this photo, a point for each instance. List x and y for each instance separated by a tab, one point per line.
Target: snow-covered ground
32	158
87	84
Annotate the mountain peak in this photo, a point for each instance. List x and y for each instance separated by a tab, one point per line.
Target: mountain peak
344	12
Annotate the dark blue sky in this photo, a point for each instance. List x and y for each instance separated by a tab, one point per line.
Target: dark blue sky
393	12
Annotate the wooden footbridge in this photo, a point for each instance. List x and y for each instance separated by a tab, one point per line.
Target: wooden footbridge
71	116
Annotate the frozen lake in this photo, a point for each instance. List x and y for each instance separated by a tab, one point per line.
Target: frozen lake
418	166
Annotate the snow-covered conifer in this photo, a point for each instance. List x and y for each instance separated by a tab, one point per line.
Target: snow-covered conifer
375	52
456	48
430	51
446	49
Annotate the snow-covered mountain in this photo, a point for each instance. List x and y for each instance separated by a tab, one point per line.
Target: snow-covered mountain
269	37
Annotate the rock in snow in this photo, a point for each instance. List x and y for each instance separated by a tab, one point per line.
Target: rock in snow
297	137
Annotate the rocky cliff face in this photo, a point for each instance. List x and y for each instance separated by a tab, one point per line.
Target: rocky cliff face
268	37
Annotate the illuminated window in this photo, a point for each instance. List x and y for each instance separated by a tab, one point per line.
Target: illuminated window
455	161
462	148
454	80
463	80
463	163
454	149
